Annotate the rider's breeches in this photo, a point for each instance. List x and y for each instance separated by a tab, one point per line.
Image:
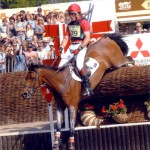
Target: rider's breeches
68	55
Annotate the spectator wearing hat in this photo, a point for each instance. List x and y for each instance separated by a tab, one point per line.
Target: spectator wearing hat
52	54
41	53
46	46
39	12
138	28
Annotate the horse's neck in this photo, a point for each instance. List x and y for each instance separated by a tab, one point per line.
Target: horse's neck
53	78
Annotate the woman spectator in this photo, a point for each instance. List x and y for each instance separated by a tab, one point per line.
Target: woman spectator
4	30
29	32
11	26
61	17
30	21
40	29
48	20
20	28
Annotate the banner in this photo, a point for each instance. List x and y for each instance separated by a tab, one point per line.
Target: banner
139	47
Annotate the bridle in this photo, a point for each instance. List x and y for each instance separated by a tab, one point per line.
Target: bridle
32	89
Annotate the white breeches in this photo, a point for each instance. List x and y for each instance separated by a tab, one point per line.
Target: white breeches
68	55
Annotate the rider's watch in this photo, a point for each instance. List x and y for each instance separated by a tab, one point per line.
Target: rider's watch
80	48
60	49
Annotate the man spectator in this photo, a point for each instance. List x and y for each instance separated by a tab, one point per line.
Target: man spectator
39	12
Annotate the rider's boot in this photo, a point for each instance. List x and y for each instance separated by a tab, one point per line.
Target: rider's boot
85	77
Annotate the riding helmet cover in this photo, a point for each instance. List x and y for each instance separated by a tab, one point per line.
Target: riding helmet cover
74	8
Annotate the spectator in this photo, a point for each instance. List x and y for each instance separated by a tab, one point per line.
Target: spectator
30	55
61	17
23	14
19	62
20	28
48	20
30	21
46	46
41	54
9	58
4	30
39	12
2	58
138	29
29	32
56	19
52	54
11	26
40	29
14	40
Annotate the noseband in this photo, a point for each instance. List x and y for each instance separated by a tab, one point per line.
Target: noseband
32	89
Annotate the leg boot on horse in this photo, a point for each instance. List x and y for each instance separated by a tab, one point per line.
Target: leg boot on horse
85	77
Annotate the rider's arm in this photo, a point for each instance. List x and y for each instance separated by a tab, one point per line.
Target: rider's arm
64	42
86	39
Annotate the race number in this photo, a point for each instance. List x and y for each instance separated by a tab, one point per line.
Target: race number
75	30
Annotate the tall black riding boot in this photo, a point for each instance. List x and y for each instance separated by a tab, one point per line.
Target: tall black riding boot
85	77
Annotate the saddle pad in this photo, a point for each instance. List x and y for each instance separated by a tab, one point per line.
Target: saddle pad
91	63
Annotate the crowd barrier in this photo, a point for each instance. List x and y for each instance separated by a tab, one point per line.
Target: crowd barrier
13	64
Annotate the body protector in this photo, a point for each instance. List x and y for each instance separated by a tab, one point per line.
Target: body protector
75	30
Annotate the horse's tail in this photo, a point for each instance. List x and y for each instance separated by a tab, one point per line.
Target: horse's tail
88	118
118	39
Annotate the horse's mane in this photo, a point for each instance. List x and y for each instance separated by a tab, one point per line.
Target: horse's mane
118	39
33	67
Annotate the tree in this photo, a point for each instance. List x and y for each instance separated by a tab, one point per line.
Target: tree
30	3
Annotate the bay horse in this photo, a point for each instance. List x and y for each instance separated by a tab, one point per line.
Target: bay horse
109	51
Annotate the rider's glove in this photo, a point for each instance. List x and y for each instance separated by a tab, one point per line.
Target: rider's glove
76	51
60	49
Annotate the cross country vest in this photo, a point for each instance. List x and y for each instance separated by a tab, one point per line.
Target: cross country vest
75	30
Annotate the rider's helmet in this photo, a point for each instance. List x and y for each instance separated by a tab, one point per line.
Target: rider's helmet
74	8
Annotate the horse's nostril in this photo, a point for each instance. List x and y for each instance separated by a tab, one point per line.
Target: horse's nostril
24	95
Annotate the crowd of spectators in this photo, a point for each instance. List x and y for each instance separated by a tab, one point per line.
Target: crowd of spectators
22	39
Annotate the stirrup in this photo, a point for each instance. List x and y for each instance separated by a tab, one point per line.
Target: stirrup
87	92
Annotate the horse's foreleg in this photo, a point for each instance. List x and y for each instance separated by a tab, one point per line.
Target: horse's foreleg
128	61
58	129
72	126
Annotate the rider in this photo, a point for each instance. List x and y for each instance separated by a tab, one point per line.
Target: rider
78	32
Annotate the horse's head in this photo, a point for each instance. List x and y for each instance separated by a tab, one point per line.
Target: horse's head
31	82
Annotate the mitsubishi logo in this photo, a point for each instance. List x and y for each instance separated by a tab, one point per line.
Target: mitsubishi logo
139	44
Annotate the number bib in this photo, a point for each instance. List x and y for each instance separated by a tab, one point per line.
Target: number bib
75	31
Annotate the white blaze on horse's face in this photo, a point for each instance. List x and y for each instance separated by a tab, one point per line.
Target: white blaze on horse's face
30	85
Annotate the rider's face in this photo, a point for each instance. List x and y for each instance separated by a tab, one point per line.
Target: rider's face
73	16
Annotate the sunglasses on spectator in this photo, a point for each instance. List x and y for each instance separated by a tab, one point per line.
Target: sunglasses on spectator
14	45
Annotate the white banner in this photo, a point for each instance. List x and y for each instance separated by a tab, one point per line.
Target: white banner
139	47
103	10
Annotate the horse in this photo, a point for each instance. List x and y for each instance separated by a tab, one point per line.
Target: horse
109	51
